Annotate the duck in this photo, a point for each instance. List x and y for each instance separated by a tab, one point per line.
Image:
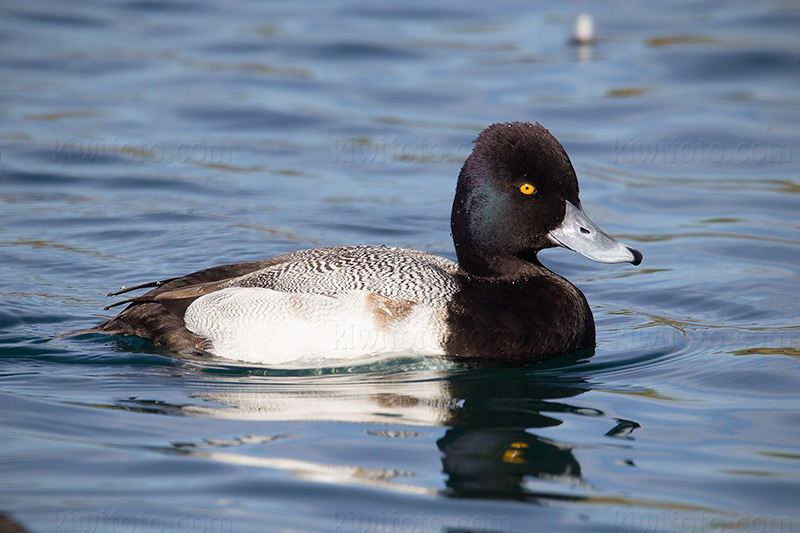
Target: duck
517	194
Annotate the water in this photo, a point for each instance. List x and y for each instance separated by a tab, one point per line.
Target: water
143	140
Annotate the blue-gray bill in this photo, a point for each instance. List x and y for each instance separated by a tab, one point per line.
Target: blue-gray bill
578	233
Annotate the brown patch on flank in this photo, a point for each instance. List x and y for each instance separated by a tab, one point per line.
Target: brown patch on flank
389	311
298	308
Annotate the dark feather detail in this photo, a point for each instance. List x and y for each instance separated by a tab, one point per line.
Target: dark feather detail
158	314
124	289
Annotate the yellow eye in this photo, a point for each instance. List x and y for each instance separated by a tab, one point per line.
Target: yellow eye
527	188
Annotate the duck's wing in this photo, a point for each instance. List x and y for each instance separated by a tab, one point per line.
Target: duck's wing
390	272
157	314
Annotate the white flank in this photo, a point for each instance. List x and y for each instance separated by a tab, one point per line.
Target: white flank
264	326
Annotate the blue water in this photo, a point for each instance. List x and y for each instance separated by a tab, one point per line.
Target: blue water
141	140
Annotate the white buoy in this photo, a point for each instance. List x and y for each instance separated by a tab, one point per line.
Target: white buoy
583	33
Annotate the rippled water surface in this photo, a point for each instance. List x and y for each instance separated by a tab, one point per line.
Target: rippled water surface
141	140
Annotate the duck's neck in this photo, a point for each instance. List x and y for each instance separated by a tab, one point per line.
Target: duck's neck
526	311
500	266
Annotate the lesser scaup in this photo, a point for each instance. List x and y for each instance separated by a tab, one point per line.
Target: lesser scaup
517	193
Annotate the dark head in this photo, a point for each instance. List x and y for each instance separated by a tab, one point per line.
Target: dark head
517	193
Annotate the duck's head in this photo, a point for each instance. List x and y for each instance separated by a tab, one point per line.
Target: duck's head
517	193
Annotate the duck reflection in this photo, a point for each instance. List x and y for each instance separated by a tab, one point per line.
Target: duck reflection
490	448
493	463
491	452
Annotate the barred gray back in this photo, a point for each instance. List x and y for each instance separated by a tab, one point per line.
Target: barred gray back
392	272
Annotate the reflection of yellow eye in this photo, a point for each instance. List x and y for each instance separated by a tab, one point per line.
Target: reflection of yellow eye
514	454
527	188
